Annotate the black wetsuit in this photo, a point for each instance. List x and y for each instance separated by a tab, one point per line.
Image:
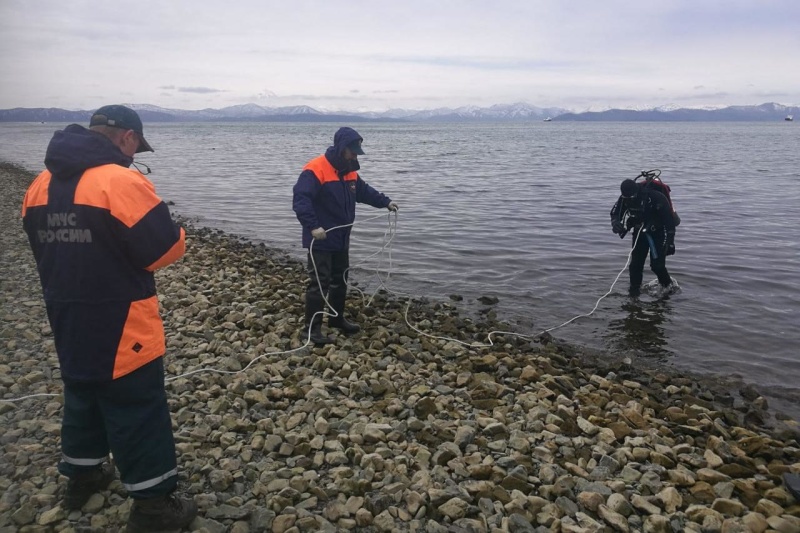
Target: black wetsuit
649	214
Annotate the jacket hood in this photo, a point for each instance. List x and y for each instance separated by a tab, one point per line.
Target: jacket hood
74	149
343	137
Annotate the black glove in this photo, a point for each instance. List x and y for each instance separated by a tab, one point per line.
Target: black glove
670	249
617	226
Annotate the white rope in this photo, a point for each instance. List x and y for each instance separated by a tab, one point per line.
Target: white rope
385	249
501	332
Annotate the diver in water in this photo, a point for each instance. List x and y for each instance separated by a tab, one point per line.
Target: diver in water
649	214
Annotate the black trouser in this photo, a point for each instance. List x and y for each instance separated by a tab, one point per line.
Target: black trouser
128	416
657	258
332	271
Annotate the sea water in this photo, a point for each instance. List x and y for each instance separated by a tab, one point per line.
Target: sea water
520	211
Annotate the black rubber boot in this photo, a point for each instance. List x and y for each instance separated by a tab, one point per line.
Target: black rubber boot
337	298
166	513
347	327
315	304
81	487
317	337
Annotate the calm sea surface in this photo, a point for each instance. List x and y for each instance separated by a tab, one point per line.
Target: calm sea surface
520	211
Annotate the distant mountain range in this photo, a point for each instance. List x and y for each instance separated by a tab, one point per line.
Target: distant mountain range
770	112
520	112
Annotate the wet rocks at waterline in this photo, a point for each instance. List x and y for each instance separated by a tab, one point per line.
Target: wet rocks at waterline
391	430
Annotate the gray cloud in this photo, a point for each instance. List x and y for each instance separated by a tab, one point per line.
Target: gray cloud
570	54
710	97
199	90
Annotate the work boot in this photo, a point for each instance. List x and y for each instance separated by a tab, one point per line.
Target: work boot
84	484
634	291
337	298
314	304
317	336
340	322
164	513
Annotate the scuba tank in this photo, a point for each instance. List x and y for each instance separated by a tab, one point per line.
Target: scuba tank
652	180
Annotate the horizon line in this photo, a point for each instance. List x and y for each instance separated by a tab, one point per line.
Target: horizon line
674	107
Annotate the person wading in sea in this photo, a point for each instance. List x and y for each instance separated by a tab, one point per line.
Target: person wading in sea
649	214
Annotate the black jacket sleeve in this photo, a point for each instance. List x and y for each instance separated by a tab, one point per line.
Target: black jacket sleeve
617	211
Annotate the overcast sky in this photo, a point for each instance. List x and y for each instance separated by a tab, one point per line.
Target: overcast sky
414	54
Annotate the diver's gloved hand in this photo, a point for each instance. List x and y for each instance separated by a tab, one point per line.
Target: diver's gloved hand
617	226
392	207
670	248
319	234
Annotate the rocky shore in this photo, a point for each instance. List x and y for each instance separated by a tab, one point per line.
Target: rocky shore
389	430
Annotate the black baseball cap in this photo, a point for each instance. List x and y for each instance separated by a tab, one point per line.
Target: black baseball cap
119	116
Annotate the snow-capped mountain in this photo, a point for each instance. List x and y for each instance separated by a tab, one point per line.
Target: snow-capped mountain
666	108
520	112
770	112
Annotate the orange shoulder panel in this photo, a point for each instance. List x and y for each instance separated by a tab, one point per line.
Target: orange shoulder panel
126	193
36	195
322	169
315	163
325	172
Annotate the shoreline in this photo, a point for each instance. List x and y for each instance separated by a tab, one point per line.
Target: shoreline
389	429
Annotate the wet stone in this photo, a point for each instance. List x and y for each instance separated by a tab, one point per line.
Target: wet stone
389	429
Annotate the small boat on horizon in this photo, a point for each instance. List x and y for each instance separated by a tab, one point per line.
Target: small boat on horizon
548	119
789	118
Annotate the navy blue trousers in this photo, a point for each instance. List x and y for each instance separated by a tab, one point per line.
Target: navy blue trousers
130	418
331	269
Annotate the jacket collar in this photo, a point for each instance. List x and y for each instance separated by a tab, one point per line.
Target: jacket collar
342	165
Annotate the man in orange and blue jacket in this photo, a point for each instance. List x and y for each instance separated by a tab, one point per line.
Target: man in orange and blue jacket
325	197
98	232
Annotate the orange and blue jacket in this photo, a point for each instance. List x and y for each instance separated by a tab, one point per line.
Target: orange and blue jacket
326	193
98	232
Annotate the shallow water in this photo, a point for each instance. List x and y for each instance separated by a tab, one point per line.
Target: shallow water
520	211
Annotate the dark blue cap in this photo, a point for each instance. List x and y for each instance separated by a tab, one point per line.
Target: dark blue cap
347	138
355	147
119	116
